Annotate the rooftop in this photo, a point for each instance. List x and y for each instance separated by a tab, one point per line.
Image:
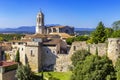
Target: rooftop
56	27
63	35
5	63
35	36
52	41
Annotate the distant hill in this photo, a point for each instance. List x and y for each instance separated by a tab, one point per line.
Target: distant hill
84	29
22	29
31	29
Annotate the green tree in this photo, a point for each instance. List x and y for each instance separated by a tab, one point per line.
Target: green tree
17	58
117	68
94	68
69	40
116	34
98	36
116	25
81	38
108	32
1	39
24	73
79	56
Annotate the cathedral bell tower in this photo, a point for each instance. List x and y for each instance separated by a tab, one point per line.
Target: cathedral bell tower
40	23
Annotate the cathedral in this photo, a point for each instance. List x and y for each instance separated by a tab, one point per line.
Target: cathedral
42	29
45	49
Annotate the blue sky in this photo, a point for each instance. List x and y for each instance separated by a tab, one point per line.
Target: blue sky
78	13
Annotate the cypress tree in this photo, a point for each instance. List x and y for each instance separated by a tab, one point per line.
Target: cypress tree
17	58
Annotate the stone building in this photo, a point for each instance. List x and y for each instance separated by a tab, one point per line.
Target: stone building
42	29
60	29
30	51
41	49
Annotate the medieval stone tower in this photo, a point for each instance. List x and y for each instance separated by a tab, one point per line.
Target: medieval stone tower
113	48
40	28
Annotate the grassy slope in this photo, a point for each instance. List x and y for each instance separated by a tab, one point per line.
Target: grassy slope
59	75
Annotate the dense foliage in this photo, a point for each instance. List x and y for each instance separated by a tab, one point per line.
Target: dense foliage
92	67
98	36
116	34
79	56
69	40
17	58
108	32
117	68
77	38
24	73
116	25
8	37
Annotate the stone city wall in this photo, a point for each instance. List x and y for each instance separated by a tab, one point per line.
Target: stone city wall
62	63
101	47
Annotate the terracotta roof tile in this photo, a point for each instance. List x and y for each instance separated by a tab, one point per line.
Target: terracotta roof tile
5	63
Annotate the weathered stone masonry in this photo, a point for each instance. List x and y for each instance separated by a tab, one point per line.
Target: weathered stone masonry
111	48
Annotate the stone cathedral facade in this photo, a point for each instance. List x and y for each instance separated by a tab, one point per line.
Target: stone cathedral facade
42	29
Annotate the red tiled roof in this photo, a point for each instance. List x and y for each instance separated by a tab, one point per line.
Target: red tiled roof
5	63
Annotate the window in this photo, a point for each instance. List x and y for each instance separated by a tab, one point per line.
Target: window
22	49
31	52
74	48
53	51
19	43
13	43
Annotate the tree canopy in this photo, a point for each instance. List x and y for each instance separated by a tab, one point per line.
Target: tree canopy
79	56
8	37
117	68
93	67
98	36
77	38
116	34
24	73
116	25
17	58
